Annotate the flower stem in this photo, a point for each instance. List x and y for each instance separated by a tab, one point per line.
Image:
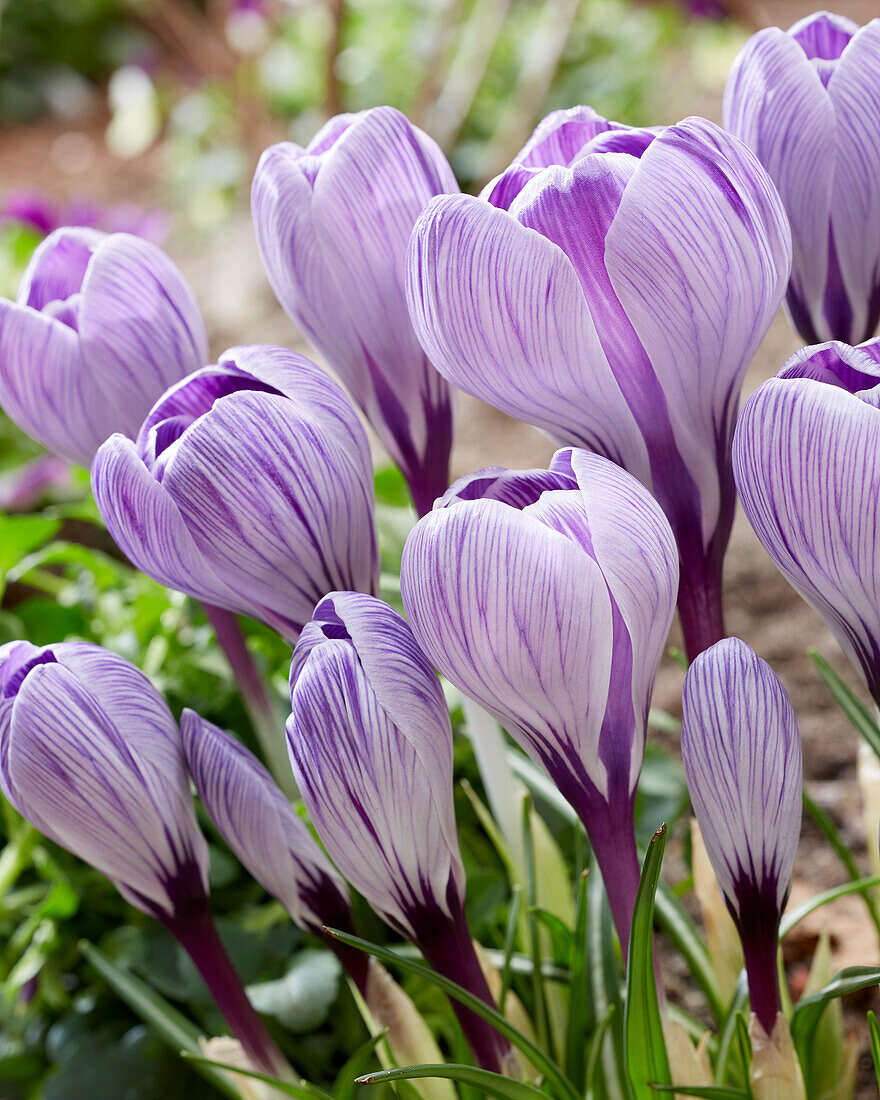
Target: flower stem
700	608
614	845
197	934
449	949
267	722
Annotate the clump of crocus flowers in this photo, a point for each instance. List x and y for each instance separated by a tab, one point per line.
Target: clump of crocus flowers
610	287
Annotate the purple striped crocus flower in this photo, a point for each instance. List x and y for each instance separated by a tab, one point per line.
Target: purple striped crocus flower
250	487
742	759
332	223
546	596
616	305
807	465
102	325
265	832
807	101
371	748
91	755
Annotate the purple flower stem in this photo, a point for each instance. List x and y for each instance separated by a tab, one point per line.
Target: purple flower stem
268	724
449	949
615	849
197	935
700	609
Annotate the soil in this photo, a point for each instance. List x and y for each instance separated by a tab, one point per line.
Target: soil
225	272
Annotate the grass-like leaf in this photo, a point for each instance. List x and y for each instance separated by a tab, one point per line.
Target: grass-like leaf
646	1059
852	706
676	923
539	1059
808	1010
874	1029
302	1091
579	1007
491	1084
707	1092
792	919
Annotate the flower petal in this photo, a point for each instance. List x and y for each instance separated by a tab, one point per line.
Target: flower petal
698	254
742	758
260	826
518	618
502	315
807	466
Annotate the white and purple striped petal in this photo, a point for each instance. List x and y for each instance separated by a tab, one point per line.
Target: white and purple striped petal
90	753
261	827
807	101
807	466
616	305
101	326
332	223
371	749
250	487
546	596
742	758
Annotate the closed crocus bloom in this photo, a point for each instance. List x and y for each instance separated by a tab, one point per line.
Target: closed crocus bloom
249	487
546	596
262	828
742	759
102	325
807	466
616	305
91	755
332	223
807	101
371	749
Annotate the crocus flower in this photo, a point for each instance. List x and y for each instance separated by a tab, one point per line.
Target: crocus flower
91	755
807	466
616	305
249	487
742	759
807	101
371	748
332	223
101	326
546	596
267	835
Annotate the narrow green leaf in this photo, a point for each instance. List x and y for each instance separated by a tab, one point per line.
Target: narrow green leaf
855	710
793	918
643	1030
594	1052
180	1033
344	1085
707	1092
579	1007
19	535
832	834
728	1030
606	989
535	1055
506	967
302	1091
874	1029
744	1043
539	1014
491	1083
808	1010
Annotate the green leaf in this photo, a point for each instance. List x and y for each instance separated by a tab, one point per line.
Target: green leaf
795	916
19	535
874	1029
728	1031
855	710
707	1092
346	1079
492	1084
808	1010
832	834
535	1055
179	1032
594	1052
302	1091
579	1006
643	1030
673	918
605	988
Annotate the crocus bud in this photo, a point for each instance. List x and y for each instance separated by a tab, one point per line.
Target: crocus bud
102	325
267	835
371	749
807	101
546	596
91	755
332	223
249	487
616	306
742	759
808	473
